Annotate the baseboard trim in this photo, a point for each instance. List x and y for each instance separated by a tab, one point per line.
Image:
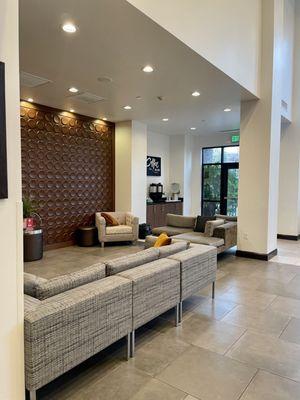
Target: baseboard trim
288	237
256	256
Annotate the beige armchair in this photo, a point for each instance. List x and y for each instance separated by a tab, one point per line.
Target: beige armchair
127	230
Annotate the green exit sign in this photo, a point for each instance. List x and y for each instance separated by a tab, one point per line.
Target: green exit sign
235	138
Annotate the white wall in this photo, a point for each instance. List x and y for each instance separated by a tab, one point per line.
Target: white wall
227	34
159	145
130	168
11	282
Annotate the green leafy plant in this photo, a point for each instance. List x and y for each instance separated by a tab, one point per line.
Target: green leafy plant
29	207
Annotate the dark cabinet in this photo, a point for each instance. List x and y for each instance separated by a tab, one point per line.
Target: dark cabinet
157	212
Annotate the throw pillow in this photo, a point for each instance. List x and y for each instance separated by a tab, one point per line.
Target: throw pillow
110	220
211	225
200	223
162	240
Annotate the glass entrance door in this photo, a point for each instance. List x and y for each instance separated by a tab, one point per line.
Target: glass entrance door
220	177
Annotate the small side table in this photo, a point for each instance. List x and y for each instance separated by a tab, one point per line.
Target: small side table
33	245
86	236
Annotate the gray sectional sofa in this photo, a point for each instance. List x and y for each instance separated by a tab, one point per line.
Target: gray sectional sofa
70	318
182	228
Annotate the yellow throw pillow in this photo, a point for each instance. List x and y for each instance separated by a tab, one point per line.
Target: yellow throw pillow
162	240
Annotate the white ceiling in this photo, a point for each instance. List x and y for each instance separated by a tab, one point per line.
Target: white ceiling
115	40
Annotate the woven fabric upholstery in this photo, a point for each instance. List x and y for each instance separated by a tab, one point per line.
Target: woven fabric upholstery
67	329
170	230
228	232
31	282
63	283
199	238
30	303
156	289
198	268
227	217
181	221
174	248
211	225
119	229
133	260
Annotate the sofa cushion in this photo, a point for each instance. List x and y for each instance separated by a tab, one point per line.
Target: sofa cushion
199	238
134	260
200	223
211	225
118	230
227	217
162	240
180	221
109	219
63	283
31	282
170	230
174	248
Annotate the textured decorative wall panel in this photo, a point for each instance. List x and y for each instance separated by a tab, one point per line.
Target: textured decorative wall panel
67	168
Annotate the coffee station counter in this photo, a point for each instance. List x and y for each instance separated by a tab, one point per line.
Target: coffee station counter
157	212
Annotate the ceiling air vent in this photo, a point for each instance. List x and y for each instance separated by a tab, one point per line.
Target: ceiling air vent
32	81
88	98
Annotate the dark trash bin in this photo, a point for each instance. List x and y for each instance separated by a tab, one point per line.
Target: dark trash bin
144	230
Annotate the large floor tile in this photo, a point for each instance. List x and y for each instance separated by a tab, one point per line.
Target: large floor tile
286	306
266	386
207	375
156	390
215	309
155	354
269	353
292	331
265	321
247	297
289	289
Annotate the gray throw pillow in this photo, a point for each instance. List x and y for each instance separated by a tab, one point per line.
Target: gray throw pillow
201	221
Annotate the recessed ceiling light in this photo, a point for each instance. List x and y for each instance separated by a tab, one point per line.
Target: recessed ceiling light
73	89
165	119
69	28
227	109
72	110
148	68
30	99
193	128
127	107
104	119
196	94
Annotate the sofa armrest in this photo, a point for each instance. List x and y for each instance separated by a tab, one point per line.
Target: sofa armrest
228	232
133	221
68	328
101	226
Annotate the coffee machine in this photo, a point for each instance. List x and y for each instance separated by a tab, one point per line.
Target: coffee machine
156	192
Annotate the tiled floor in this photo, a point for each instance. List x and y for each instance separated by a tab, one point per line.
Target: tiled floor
243	345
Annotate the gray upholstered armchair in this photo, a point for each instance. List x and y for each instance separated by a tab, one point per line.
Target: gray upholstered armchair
127	230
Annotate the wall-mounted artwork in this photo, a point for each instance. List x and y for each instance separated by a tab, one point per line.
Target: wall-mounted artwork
153	166
3	156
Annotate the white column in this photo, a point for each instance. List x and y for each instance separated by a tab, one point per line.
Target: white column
260	146
11	268
130	168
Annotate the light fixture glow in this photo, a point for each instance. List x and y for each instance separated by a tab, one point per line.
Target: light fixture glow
148	68
72	110
104	119
193	128
227	109
127	107
69	28
30	100
196	94
73	89
165	119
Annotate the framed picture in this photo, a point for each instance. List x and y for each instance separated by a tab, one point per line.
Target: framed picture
153	166
3	156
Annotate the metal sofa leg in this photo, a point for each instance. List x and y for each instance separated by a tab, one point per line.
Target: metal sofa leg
128	346
177	314
132	344
102	245
213	290
180	312
32	394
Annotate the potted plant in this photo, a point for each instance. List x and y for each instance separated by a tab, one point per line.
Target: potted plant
29	212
